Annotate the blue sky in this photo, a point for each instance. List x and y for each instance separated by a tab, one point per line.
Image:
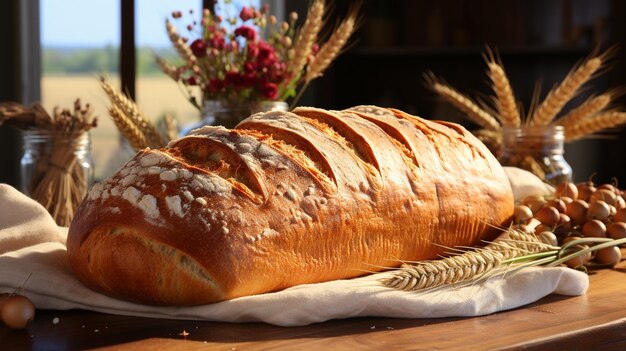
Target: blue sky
97	22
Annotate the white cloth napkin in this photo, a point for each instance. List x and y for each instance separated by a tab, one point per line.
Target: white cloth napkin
33	255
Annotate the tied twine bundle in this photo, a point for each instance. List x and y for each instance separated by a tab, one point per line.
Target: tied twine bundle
59	181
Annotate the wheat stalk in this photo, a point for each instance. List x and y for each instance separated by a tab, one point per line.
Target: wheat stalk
468	266
127	128
307	36
558	97
134	115
169	69
585	110
171	129
329	51
463	103
599	122
507	107
183	50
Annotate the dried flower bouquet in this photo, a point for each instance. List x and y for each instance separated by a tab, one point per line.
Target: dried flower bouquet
260	59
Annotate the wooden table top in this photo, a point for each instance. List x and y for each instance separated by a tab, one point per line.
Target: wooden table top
595	321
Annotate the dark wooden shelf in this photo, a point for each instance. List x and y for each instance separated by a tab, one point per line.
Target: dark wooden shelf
461	52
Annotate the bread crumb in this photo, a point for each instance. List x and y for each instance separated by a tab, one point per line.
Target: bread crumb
131	194
291	195
174	205
168	176
187	194
128	180
149	206
154	170
150	159
115	191
96	191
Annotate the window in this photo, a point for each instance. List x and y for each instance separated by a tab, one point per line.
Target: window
80	40
157	94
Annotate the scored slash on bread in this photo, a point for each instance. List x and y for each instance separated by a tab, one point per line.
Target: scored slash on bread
286	198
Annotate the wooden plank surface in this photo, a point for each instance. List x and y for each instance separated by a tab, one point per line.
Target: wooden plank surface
596	321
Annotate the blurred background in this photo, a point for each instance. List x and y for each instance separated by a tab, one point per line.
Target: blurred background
54	50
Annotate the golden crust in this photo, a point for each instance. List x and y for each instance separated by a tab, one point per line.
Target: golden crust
328	195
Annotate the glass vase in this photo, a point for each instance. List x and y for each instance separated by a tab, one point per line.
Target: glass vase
56	170
538	149
220	113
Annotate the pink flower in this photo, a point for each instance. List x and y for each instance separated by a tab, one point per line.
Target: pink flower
246	13
315	48
247	32
198	47
269	90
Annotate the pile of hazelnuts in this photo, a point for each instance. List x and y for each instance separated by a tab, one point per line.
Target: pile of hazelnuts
581	210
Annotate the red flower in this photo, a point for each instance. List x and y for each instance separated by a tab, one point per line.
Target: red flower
247	32
249	80
235	79
217	42
215	85
269	90
266	57
191	81
249	67
198	47
253	50
246	13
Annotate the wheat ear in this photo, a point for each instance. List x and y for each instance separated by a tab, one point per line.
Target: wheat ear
329	51
307	36
507	107
132	112
585	110
183	50
466	267
595	124
127	128
472	111
171	130
169	69
558	97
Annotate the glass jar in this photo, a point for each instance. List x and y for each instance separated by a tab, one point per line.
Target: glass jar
56	170
219	113
538	149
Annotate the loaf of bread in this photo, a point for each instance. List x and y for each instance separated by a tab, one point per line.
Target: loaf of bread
283	199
